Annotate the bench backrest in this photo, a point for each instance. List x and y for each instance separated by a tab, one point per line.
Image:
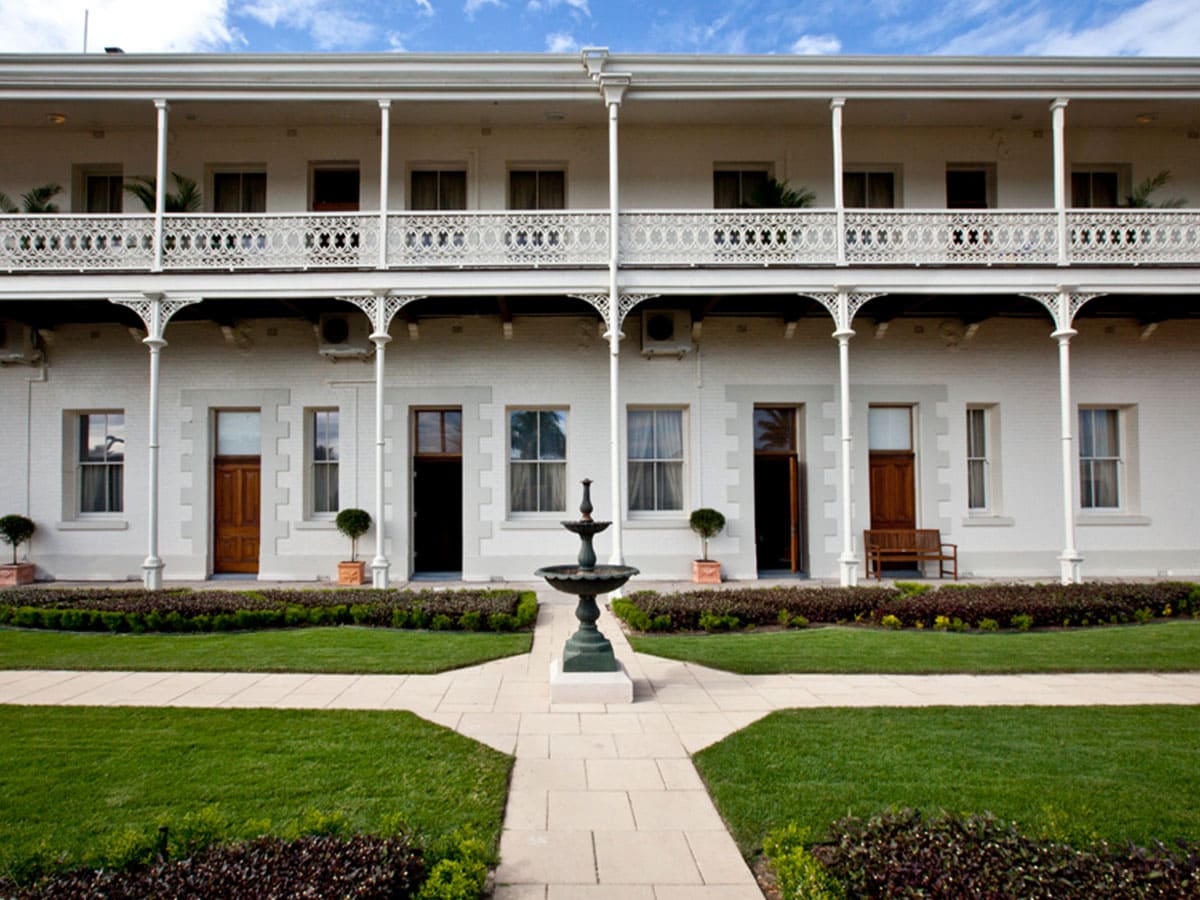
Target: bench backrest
902	539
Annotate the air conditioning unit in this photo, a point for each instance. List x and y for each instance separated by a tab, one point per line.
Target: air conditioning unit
343	336
666	332
18	344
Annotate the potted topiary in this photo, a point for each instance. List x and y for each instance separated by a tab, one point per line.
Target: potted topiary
16	530
353	523
707	523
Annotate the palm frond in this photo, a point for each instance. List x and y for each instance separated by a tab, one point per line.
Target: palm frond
775	194
186	197
39	199
1140	196
6	204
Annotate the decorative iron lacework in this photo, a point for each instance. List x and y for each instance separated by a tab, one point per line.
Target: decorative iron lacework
76	242
270	241
830	300
625	304
381	308
1133	236
497	239
951	237
1052	300
729	237
144	307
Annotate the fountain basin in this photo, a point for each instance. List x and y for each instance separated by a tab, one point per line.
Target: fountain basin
573	579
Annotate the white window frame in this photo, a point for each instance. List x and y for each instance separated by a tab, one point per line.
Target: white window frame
1123	172
538	168
81	465
538	463
241	169
671	513
869	169
742	168
79	180
1120	460
441	168
314	465
993	505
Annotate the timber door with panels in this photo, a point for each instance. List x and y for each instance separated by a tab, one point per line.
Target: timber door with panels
778	490
437	494
892	472
237	492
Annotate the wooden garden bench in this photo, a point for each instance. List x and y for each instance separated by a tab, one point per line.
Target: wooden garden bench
915	545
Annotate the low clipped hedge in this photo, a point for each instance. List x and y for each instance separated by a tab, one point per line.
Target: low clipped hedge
361	866
136	610
901	854
913	605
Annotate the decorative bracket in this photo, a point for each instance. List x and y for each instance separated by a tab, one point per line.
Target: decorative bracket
1063	305
155	312
603	305
842	305
381	307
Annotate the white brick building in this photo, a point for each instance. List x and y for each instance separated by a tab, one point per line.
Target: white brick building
572	267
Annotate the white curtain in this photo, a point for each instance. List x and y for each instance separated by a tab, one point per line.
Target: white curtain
655	439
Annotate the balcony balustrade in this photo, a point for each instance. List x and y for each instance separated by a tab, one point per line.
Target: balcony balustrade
568	238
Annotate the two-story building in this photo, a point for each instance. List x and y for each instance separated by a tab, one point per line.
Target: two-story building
445	288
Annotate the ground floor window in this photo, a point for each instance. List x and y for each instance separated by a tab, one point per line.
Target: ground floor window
101	462
1100	458
537	468
655	459
978	463
325	455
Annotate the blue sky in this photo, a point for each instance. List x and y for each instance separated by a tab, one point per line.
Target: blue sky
969	27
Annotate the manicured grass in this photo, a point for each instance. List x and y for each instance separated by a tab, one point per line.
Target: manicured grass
1160	647
1074	773
77	777
343	649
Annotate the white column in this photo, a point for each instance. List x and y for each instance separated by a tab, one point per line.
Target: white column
152	568
839	199
847	561
160	181
1070	559
614	87
385	128
380	337
1057	117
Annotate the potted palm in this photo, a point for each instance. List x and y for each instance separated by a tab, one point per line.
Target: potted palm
707	523
16	530
353	523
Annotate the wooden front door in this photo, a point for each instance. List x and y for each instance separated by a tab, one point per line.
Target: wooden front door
893	490
236	492
437	491
778	490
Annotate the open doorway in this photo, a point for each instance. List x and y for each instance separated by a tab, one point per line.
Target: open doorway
778	491
437	493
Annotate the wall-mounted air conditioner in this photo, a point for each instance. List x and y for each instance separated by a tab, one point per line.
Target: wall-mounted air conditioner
18	344
666	332
343	336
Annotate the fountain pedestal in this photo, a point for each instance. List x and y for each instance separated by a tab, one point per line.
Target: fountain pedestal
588	671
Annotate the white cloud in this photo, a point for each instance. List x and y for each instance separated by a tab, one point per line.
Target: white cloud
424	8
817	44
473	6
331	28
138	26
1152	28
560	42
580	6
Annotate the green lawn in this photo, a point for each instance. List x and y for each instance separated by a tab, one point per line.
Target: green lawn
78	776
1160	647
1121	773
343	649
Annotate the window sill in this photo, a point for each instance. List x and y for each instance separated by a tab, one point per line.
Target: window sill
554	524
92	525
1084	520
656	523
315	525
988	522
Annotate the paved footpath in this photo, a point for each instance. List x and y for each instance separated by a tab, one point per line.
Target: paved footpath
604	800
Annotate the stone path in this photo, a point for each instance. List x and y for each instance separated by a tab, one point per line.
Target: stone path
604	801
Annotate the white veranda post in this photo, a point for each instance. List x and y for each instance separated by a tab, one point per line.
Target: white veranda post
155	312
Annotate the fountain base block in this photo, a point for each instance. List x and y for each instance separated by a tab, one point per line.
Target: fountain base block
589	687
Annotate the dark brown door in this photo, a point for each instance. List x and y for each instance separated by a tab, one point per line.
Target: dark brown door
893	490
437	491
778	491
236	491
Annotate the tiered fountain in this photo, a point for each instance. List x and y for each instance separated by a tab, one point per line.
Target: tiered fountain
588	671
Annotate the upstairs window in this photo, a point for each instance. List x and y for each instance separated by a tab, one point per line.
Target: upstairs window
438	189
1095	187
970	186
869	190
334	188
735	188
239	192
533	189
98	189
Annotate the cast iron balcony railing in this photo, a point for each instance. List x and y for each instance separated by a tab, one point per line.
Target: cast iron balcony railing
213	242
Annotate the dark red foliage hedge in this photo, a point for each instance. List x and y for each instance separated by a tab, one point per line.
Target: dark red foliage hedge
761	606
364	867
900	854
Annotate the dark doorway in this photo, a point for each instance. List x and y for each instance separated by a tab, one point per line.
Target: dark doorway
778	491
335	189
437	492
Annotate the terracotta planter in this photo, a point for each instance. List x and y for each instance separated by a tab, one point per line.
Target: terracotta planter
21	573
706	571
350	573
